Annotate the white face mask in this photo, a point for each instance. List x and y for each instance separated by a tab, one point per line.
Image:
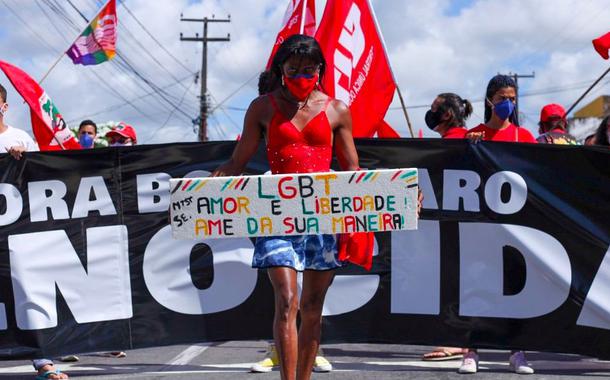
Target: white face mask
120	144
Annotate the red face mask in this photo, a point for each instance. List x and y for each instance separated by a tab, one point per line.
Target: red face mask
301	86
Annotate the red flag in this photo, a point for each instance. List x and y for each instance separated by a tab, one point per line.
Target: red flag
48	125
358	71
602	45
385	131
295	23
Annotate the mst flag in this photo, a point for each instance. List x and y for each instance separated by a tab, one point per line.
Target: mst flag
358	72
300	18
48	125
97	43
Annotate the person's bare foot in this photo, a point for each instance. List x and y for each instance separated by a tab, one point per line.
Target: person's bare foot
444	353
54	374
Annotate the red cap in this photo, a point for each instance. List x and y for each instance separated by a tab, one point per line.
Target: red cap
552	110
124	130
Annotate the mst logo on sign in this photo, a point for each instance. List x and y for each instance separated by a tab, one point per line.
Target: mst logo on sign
348	54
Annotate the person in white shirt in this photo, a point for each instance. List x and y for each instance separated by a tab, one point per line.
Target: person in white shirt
15	142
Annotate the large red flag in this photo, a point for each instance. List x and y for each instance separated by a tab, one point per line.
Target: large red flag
48	125
300	18
602	45
358	71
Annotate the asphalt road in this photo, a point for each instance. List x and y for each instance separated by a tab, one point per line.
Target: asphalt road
232	360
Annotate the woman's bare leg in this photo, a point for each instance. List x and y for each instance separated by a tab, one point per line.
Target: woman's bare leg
315	285
284	281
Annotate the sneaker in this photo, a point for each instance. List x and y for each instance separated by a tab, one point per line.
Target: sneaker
321	364
69	358
518	364
270	361
117	354
470	363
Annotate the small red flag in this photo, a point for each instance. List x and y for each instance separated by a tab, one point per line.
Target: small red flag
385	131
602	45
48	125
358	71
297	20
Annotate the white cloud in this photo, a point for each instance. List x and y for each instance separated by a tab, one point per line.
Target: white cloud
433	48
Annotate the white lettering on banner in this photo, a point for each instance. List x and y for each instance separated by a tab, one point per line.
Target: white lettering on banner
349	293
548	274
425	185
416	270
14	204
454	190
42	260
167	274
3	322
47	195
153	192
518	192
596	309
463	184
102	202
353	40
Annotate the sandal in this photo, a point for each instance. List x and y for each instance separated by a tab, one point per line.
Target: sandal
441	354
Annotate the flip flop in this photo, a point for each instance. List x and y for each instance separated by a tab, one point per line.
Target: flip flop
443	355
45	376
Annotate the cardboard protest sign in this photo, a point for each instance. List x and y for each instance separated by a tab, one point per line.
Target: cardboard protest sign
294	204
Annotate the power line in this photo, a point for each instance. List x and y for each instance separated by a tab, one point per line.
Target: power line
171	113
154	39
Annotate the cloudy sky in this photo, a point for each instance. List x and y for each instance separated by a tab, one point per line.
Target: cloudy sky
434	46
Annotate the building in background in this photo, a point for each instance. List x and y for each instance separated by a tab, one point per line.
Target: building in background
586	120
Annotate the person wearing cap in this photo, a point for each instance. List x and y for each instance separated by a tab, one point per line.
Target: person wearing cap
553	126
122	135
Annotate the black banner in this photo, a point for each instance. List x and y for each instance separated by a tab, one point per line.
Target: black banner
512	251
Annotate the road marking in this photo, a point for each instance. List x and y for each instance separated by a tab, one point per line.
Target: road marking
187	355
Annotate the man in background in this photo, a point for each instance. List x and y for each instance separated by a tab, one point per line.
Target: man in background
553	126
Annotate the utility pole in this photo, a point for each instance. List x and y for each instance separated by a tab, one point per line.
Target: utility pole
203	100
516	77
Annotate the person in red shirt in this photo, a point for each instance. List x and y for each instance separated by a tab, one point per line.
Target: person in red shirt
500	119
552	127
447	116
500	125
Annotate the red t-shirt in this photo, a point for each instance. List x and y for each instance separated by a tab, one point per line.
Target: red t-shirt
512	133
456	133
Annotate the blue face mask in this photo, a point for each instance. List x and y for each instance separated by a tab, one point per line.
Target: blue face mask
504	109
85	141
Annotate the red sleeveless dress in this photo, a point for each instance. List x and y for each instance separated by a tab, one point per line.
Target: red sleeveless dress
290	150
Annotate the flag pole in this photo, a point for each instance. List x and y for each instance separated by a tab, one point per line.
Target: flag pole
588	90
385	51
65	51
303	15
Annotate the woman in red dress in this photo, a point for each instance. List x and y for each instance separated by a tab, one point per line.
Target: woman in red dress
301	125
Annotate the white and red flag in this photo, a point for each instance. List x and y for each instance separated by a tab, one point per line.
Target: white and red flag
358	71
48	125
300	18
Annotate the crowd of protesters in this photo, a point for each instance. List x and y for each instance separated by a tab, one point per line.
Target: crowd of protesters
447	117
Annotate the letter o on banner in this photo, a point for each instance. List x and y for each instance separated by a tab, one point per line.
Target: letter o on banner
518	192
14	204
168	277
